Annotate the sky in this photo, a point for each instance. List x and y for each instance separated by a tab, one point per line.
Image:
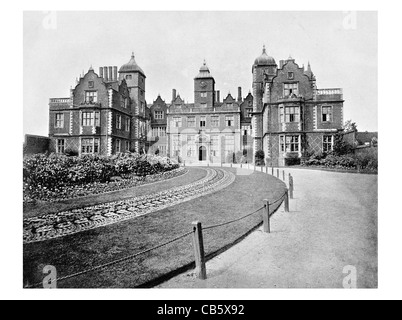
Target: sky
171	46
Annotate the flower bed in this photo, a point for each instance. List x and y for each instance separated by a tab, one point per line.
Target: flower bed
58	178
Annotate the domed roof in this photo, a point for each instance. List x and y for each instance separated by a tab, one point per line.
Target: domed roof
131	66
204	72
264	59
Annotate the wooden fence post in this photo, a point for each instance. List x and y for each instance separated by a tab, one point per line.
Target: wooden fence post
277	173
287	201
199	252
291	186
272	170
266	218
283	173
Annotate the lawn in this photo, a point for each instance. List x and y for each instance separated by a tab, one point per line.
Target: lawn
84	250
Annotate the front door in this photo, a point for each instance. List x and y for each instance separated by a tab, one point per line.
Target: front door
202	154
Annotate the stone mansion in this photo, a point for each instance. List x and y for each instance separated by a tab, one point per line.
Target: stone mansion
285	115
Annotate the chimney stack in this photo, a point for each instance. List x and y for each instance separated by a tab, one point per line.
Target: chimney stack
174	95
115	73
239	95
111	74
218	96
105	74
281	64
101	72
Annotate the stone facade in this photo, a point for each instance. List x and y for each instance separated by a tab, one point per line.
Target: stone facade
105	114
292	118
285	115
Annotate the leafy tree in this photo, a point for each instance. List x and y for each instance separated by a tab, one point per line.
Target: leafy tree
341	147
350	126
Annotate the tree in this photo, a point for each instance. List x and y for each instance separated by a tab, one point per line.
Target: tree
341	147
350	126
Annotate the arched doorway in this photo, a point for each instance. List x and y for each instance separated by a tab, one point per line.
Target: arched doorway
202	155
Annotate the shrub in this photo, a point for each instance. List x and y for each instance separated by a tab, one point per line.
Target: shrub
54	173
259	158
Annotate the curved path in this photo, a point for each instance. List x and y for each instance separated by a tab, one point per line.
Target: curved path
77	220
332	225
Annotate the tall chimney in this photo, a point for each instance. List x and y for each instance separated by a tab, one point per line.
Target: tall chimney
101	72
115	73
105	73
281	63
218	96
174	95
239	95
111	74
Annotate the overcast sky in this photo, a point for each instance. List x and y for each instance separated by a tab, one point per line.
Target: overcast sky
170	47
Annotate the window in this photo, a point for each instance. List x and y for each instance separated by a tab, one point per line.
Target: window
158	115
118	122
118	145
229	105
176	146
60	146
191	151
249	113
291	88
177	122
281	115
159	132
89	146
191	122
203	122
90	119
91	97
97	119
91	84
291	75
229	121
326	114
125	102
203	105
204	94
327	144
129	77
215	122
290	143
190	139
59	120
292	114
214	146
229	144
128	124
87	119
128	146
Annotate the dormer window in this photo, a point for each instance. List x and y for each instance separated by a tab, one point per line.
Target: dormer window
204	94
158	115
291	75
91	84
290	89
91	97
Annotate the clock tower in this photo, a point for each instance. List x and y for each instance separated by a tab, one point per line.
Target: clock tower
204	88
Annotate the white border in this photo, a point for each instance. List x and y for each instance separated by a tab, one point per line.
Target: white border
390	212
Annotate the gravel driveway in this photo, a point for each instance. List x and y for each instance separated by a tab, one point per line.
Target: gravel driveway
332	225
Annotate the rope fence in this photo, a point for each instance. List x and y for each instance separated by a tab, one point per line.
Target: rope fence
198	241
